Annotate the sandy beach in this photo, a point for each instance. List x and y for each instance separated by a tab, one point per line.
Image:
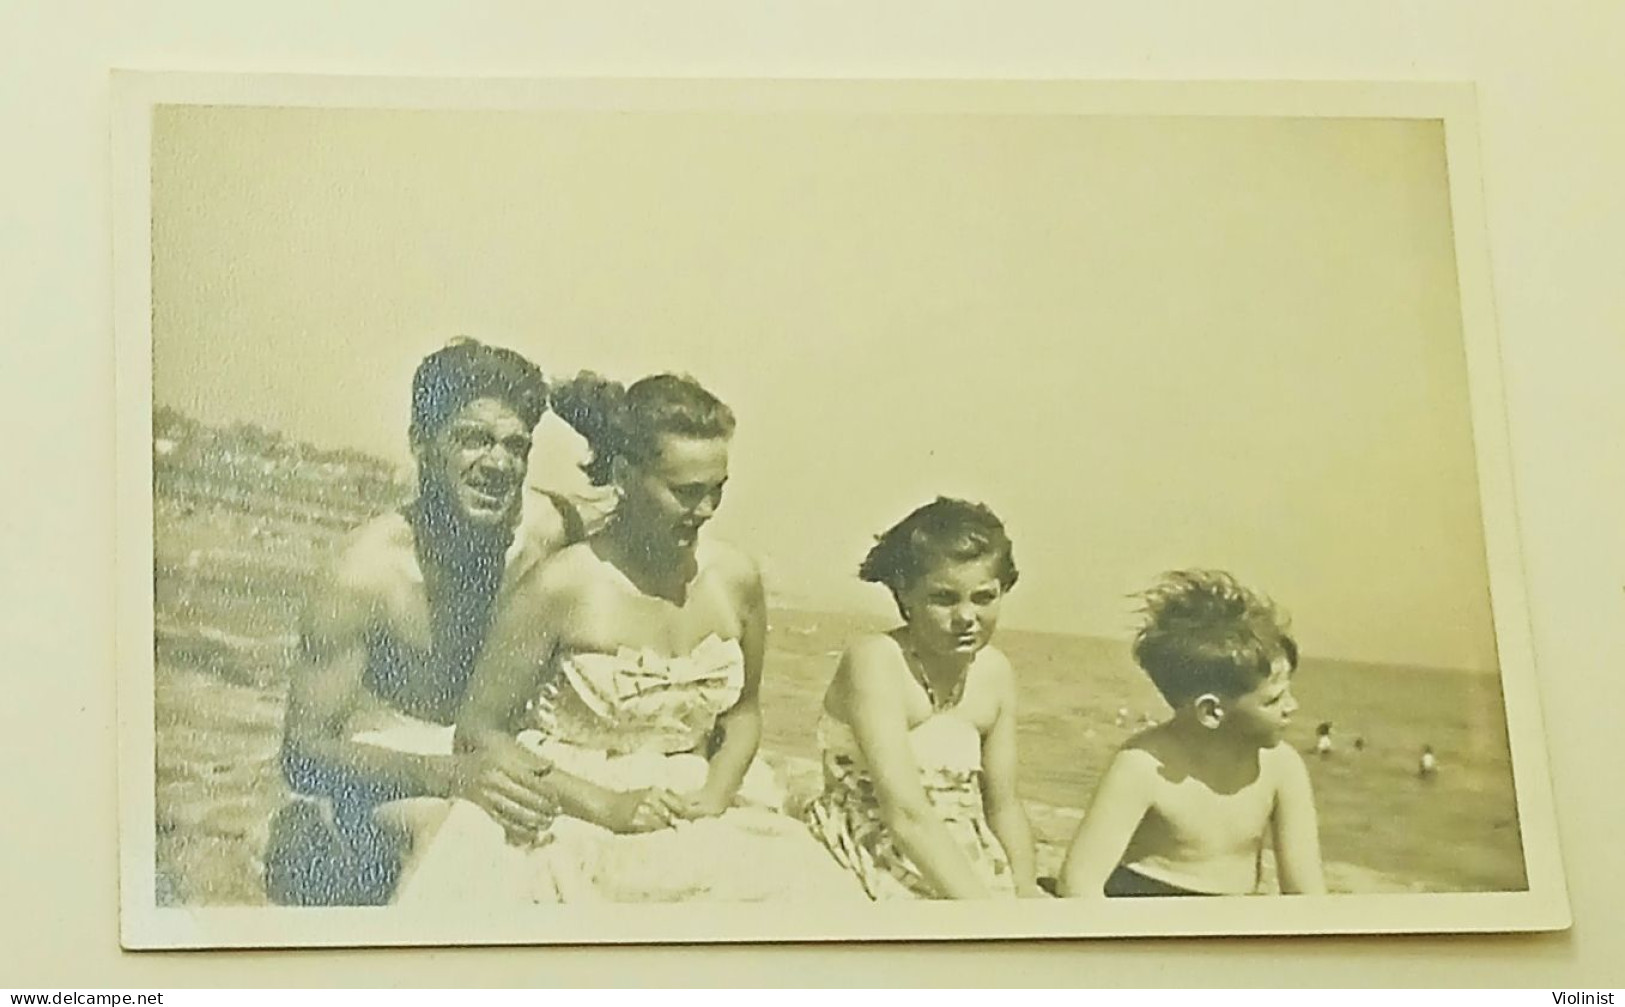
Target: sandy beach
233	555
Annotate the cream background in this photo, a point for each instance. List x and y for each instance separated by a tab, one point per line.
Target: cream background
1552	148
1147	342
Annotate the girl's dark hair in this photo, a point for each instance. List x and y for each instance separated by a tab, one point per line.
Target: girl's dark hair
629	421
943	530
1205	632
466	369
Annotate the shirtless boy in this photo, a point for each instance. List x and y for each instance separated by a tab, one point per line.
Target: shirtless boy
393	628
1185	806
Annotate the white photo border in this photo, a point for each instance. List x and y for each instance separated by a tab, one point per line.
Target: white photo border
145	925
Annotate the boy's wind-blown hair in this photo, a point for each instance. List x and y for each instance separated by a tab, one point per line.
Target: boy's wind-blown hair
1204	632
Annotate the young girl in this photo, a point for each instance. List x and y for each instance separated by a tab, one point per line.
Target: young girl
1185	806
919	724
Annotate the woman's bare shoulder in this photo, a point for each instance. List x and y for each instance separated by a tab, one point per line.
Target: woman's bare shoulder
993	665
730	563
869	673
868	663
872	648
735	571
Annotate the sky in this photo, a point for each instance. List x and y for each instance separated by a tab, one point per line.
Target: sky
1146	343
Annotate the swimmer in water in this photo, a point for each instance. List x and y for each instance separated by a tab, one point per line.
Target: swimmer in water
1427	766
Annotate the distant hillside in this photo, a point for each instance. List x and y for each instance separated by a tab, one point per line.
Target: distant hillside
245	467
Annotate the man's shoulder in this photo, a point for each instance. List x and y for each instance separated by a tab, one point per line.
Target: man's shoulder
548	522
377	553
569	571
572	560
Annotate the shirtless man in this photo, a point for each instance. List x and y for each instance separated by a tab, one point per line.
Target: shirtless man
391	632
1186	807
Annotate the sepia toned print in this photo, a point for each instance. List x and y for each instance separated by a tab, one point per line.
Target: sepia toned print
513	467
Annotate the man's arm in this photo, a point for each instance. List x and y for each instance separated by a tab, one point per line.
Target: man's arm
1005	814
548	524
1119	805
1296	830
326	686
519	787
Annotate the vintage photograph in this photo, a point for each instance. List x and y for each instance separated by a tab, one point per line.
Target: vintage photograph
559	512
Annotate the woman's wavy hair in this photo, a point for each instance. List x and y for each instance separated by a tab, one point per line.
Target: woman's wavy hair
628	422
1204	632
942	531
